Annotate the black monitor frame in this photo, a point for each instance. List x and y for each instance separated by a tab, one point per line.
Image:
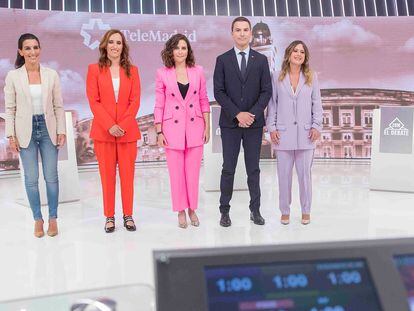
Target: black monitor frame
180	280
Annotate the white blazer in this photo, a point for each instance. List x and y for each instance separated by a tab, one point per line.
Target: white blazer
19	109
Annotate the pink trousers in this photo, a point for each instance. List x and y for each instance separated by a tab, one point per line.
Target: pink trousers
184	169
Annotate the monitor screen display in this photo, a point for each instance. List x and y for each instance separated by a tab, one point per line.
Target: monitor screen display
405	266
335	285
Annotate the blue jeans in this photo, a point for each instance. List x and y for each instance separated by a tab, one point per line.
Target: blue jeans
40	141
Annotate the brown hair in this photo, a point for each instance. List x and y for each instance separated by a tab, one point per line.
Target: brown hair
104	61
304	67
240	19
172	43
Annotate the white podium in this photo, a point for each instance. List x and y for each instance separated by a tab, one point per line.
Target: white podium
392	154
67	171
213	159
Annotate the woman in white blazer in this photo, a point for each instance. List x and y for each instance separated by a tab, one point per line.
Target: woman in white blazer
35	122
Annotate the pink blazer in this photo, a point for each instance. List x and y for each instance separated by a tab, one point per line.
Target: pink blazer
182	119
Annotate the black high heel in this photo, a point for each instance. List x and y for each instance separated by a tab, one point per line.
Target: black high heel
129	227
110	220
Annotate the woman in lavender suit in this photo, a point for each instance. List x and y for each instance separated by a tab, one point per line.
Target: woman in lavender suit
294	121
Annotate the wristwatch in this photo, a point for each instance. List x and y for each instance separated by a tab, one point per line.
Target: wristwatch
158	133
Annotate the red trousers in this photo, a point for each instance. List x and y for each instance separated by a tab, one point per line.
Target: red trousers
109	155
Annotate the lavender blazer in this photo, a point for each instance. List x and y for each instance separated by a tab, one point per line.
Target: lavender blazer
293	115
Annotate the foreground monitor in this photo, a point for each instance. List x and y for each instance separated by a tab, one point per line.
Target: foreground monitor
405	266
315	285
342	276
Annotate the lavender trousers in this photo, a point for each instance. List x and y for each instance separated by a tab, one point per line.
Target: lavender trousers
302	159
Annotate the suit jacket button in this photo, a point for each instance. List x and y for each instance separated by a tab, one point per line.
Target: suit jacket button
195	92
295	123
172	94
191	105
175	121
192	119
176	107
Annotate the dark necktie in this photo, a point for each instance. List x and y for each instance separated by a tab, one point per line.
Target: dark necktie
243	64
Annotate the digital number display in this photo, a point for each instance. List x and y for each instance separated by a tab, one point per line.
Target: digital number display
301	286
405	266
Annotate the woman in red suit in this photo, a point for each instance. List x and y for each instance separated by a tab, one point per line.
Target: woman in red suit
113	90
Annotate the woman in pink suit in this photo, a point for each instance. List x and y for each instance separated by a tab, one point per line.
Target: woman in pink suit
294	120
182	118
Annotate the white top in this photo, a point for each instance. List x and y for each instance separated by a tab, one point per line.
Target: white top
36	95
293	91
115	84
239	57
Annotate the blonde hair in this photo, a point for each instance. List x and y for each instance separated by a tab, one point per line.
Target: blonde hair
307	72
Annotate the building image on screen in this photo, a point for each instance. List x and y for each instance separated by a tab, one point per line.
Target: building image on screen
339	285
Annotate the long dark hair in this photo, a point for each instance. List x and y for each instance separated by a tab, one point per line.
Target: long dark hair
167	53
105	62
26	36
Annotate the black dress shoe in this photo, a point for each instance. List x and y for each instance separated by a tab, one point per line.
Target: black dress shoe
110	220
127	226
225	220
257	218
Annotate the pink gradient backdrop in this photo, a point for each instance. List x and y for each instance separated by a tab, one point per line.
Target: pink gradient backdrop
346	52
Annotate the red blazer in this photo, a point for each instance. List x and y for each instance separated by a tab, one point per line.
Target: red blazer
106	111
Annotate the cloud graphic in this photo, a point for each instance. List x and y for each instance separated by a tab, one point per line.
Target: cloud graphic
344	33
408	46
73	86
5	66
401	82
57	22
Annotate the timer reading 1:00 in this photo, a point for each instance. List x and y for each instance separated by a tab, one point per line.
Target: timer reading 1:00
345	277
243	284
291	281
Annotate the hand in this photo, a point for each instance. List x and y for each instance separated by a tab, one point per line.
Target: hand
245	118
61	139
161	141
206	135
116	131
14	144
275	137
314	134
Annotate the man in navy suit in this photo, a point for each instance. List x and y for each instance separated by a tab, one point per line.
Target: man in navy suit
242	87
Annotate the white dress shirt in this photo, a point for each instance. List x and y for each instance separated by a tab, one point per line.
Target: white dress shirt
239	57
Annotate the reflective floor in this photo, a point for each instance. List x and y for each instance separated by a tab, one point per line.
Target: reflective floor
83	256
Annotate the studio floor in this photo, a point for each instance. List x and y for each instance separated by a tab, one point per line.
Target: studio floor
83	256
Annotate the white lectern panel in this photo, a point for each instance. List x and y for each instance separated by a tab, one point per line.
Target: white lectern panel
391	170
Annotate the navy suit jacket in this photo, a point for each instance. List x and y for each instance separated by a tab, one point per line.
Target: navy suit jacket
235	94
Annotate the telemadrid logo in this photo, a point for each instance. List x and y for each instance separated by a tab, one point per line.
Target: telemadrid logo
396	128
87	38
130	35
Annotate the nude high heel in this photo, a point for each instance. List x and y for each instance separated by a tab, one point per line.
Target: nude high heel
38	228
